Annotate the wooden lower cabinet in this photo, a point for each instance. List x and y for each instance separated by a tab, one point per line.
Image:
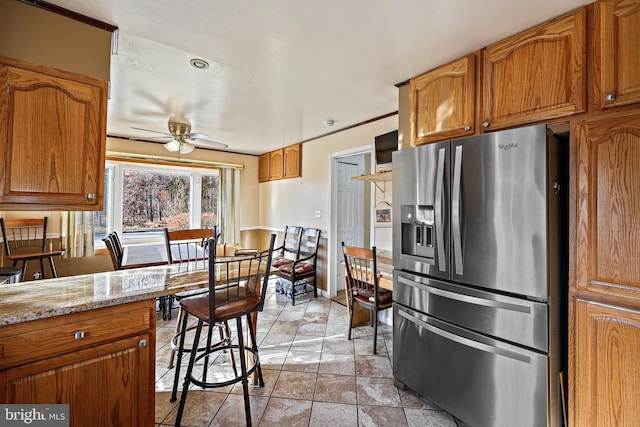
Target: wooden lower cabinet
106	378
607	365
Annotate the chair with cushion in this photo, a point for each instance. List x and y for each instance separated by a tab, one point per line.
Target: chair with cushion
237	289
304	268
362	285
26	240
288	251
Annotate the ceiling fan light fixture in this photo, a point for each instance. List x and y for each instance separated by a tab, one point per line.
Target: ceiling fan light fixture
186	148
172	146
198	63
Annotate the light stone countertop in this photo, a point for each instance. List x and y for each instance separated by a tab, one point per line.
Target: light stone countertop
21	302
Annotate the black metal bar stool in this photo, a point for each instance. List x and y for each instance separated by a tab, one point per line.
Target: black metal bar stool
10	274
237	289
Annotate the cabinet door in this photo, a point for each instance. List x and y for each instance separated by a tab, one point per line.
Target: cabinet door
293	161
443	102
608	206
276	164
52	144
617	64
104	386
606	366
536	75
263	167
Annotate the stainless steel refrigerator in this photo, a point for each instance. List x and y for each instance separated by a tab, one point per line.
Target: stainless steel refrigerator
480	275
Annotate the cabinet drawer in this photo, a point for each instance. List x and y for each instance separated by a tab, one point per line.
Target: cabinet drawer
39	339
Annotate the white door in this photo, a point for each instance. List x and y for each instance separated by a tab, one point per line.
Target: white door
350	210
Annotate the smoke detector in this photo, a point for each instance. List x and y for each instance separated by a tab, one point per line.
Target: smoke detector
329	122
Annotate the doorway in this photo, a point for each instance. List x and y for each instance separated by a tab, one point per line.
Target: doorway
351	201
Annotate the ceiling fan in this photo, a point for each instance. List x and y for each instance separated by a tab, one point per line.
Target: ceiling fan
181	138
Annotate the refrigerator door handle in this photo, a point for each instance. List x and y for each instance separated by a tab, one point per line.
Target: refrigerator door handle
455	211
464	341
442	261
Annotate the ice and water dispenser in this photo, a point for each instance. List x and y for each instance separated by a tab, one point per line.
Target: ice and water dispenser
418	236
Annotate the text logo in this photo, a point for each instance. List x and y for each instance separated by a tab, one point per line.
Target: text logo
34	415
507	147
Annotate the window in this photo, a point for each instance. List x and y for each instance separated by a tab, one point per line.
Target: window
141	200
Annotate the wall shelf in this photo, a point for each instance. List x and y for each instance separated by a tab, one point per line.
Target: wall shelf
375	178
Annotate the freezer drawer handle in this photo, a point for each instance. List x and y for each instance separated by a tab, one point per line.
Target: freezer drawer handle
465	341
466	298
455	211
481	301
442	261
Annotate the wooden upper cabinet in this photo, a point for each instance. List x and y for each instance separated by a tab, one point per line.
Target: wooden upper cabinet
616	62
276	164
53	138
443	102
536	75
608	203
293	161
264	161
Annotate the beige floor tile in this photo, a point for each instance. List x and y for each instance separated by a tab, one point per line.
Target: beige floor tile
289	315
199	410
338	344
275	341
299	385
428	418
412	400
338	364
232	412
272	358
270	378
286	412
284	327
307	343
374	416
373	366
302	361
333	414
335	388
314	329
163	405
377	391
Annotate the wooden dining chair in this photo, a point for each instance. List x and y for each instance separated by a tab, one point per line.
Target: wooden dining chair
363	288
237	289
305	265
26	240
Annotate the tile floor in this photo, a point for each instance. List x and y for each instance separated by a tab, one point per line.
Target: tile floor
313	375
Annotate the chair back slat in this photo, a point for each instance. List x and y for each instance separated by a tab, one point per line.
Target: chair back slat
291	242
235	278
362	272
191	245
21	235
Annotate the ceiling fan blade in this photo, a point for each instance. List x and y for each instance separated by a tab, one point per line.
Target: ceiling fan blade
198	135
150	138
207	142
149	130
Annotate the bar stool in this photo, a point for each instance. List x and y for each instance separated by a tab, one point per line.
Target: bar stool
237	289
10	274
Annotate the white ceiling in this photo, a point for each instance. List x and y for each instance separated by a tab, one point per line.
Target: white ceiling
280	68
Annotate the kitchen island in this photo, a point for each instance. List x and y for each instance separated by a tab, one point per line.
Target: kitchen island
87	341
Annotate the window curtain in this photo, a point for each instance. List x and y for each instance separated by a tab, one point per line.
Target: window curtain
229	215
76	234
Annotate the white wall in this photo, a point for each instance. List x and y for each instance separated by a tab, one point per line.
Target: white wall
294	201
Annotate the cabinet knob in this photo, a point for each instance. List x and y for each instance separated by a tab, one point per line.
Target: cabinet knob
467	128
78	335
485	124
91	196
142	343
610	97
